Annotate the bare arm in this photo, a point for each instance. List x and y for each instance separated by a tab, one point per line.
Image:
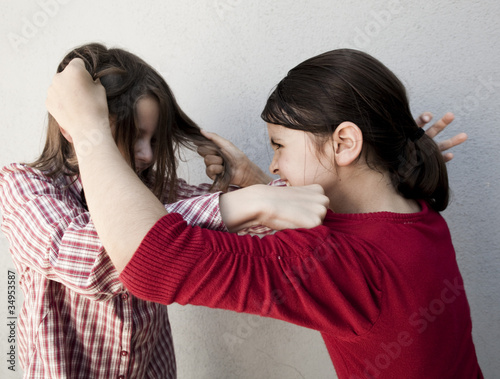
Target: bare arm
122	207
79	105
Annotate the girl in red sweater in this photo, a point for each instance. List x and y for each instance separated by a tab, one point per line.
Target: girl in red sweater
379	279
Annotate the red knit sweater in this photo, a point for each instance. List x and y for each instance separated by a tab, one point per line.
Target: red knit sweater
384	289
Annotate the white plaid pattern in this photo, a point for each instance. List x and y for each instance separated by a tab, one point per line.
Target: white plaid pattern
78	321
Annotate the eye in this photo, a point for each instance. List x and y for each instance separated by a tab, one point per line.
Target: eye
275	145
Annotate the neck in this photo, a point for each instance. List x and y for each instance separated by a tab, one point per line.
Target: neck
363	190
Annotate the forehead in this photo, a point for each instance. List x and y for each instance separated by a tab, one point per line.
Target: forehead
282	133
148	113
147	107
276	131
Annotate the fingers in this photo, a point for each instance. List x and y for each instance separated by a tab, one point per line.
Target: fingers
437	128
222	143
214	165
321	198
213	160
448	157
75	70
89	104
225	146
316	205
423	119
440	125
214	137
316	188
291	207
206	150
452	142
76	62
213	171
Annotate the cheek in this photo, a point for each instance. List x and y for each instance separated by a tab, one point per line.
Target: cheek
292	170
140	145
303	170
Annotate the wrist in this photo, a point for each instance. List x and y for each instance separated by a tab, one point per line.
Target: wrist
242	208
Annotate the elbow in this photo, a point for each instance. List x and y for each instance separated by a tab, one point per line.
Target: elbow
121	246
119	264
149	292
120	254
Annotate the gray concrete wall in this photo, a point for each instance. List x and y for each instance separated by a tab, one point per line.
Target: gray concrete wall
222	58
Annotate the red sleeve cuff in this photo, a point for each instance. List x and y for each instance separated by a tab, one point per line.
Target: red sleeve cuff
164	258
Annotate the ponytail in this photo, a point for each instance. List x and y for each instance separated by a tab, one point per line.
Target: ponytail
421	173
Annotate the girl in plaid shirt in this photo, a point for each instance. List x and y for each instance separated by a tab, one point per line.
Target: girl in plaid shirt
78	320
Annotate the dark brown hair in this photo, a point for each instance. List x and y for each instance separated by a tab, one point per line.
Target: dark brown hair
349	85
127	79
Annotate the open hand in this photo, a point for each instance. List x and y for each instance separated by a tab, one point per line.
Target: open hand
437	128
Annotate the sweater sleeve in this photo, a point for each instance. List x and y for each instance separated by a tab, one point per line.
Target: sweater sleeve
306	277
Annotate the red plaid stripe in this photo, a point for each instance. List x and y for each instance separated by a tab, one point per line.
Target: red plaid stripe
78	321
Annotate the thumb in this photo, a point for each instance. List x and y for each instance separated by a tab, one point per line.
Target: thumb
219	141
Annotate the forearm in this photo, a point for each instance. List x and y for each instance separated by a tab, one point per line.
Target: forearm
122	207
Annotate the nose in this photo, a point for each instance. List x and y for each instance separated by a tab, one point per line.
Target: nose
273	167
143	153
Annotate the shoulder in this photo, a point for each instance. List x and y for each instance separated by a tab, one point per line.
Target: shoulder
19	178
21	169
19	172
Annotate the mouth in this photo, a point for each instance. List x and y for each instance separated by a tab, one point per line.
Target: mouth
282	183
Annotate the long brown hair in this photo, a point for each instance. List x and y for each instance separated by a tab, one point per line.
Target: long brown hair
349	85
127	79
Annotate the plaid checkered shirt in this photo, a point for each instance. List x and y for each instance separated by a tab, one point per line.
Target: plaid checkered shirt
78	320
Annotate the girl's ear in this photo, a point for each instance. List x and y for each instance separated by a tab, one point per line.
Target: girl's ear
66	134
347	143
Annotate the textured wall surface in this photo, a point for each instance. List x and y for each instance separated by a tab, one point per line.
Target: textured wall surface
222	58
